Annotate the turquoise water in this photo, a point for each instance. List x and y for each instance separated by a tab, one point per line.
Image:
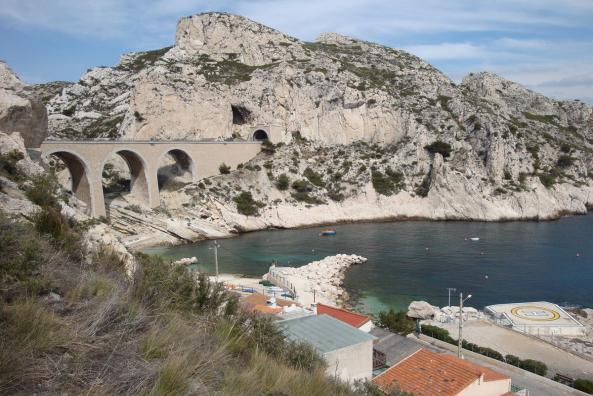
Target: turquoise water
512	261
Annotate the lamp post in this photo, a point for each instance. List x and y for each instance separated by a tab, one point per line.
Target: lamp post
460	340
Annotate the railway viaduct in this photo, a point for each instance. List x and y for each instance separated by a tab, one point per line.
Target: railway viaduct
86	159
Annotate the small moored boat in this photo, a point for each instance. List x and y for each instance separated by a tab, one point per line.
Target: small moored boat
327	233
475	239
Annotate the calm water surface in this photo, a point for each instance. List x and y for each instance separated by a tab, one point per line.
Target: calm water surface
512	262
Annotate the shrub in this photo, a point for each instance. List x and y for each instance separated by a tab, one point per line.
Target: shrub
534	366
438	333
8	166
547	178
439	147
268	147
43	190
49	221
565	161
314	177
565	148
282	182
396	321
512	360
382	184
224	169
335	195
424	187
246	205
305	197
134	208
301	186
584	385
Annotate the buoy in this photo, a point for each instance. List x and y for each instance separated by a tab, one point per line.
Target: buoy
578	254
426	248
486	276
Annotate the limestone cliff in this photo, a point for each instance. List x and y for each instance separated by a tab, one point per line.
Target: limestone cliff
20	109
362	132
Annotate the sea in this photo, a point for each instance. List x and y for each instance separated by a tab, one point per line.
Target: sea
515	261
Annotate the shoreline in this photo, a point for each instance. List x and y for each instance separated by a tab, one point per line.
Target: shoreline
146	244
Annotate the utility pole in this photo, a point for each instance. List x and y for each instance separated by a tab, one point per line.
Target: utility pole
450	289
460	340
216	258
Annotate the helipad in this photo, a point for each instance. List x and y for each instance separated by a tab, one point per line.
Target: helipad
537	318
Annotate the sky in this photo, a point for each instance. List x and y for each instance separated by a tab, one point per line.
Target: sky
546	45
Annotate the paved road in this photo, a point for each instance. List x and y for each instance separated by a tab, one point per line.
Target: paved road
507	341
537	385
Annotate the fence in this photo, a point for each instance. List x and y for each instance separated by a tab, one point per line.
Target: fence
276	278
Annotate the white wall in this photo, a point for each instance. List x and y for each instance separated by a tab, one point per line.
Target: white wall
367	327
351	363
489	388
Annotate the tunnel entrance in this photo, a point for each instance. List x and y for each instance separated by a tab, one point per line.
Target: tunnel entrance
260	135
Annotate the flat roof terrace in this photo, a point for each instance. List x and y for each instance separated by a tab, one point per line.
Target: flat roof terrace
534	314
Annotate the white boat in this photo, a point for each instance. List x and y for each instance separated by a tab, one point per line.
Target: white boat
475	239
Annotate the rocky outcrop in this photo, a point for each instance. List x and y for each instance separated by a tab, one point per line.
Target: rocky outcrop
369	132
20	110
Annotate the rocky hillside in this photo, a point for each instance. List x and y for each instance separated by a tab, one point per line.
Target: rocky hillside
360	131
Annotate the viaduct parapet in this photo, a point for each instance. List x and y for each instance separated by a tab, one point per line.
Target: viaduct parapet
86	159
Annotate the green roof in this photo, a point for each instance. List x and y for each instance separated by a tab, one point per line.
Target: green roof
323	332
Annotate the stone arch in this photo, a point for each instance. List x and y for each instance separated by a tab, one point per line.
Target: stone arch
139	177
79	174
183	163
260	135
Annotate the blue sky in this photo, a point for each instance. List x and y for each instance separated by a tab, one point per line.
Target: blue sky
546	45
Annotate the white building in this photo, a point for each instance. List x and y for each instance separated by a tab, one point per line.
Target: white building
347	350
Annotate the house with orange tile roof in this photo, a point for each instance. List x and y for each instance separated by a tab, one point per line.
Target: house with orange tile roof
429	373
361	322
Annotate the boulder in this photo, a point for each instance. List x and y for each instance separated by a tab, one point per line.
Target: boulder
421	310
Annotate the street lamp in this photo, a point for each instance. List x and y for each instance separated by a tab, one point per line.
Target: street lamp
460	340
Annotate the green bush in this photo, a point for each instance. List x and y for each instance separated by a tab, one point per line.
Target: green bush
534	366
8	166
424	187
43	190
134	208
438	333
282	182
548	179
565	148
439	147
268	147
303	196
301	186
246	205
512	360
315	178
584	385
224	169
397	322
565	161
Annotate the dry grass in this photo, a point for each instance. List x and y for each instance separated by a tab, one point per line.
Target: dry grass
160	332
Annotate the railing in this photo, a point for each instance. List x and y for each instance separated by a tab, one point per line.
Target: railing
99	141
281	281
